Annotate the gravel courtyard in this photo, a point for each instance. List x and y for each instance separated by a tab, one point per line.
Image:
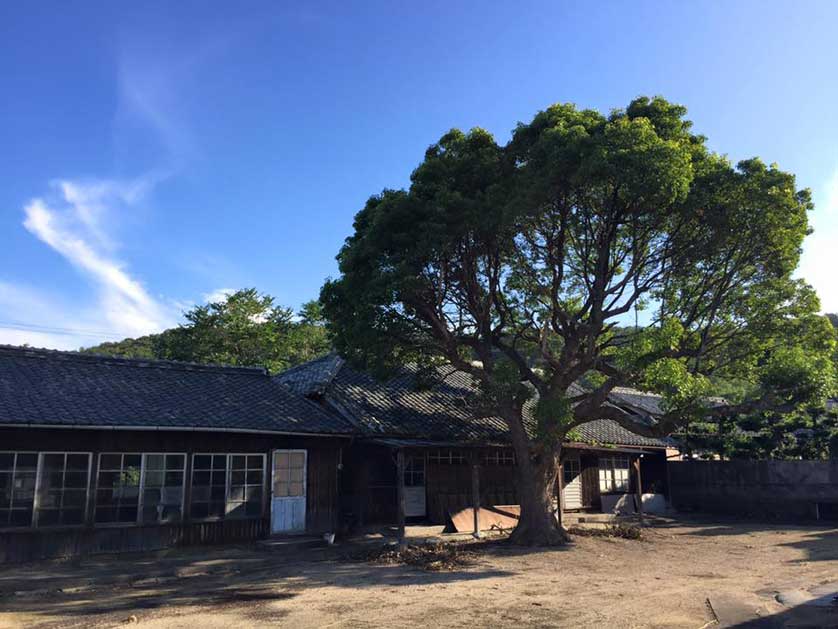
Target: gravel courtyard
663	580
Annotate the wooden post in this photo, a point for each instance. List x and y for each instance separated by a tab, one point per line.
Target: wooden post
475	492
400	496
560	512
639	491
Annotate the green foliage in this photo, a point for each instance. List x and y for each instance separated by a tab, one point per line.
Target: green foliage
554	417
246	328
810	434
519	264
141	347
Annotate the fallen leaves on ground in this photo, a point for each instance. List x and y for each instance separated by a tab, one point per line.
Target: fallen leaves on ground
432	557
626	531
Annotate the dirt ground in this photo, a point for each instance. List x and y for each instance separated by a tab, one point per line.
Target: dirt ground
663	580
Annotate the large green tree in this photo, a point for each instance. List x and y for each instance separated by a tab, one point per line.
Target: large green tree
244	328
517	263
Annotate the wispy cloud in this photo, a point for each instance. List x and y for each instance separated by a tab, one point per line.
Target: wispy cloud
75	226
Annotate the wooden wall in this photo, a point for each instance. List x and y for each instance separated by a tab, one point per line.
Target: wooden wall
322	502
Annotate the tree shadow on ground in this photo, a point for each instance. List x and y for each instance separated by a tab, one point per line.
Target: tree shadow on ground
214	578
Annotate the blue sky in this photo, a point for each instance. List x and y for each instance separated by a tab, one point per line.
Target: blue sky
155	154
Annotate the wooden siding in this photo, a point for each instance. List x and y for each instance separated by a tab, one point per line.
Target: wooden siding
24	544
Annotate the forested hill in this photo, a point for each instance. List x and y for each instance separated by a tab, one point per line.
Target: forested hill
247	328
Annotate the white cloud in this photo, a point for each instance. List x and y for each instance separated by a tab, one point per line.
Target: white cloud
75	226
219	294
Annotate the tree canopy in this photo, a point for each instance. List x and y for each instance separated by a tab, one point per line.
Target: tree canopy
517	263
246	328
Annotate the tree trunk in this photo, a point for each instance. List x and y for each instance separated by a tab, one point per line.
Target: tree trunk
538	524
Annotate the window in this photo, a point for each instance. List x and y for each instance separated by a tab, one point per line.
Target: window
118	488
146	488
499	456
289	474
414	471
571	470
162	487
18	472
209	485
446	457
62	488
246	482
227	485
613	474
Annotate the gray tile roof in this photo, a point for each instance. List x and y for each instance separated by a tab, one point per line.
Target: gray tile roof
47	387
446	411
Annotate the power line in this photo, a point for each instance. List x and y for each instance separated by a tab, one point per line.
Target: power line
31	327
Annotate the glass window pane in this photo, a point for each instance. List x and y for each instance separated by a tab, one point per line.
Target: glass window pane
255	462
74	498
28	462
298	459
202	462
110	462
239	462
21	517
174	461
72	516
53	462
75	480
7	462
295	489
48	517
219	461
77	462
254	477
154	461
153	479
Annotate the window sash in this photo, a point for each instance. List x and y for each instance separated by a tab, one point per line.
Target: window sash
140	502
11	508
42	488
614	474
237	501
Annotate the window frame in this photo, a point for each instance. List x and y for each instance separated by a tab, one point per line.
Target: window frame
227	483
570	465
453	456
96	490
144	469
499	457
141	489
36	506
15	453
610	472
